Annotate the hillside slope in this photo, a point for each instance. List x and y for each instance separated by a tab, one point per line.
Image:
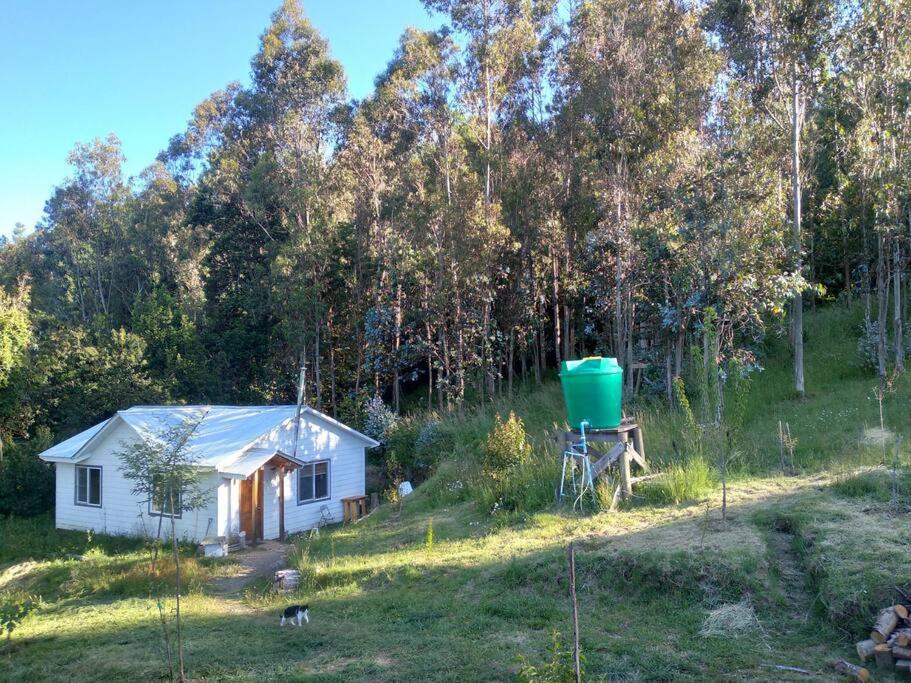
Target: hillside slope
442	589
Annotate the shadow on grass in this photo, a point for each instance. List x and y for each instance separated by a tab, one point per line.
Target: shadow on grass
468	610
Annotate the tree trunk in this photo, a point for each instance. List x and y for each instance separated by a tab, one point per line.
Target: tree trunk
897	330
396	375
882	301
556	273
510	359
181	675
797	303
846	264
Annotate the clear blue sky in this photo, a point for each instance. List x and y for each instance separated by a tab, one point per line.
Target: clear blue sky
73	70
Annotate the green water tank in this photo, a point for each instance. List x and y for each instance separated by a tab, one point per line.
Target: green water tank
593	391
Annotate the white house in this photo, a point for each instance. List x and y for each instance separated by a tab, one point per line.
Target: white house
244	453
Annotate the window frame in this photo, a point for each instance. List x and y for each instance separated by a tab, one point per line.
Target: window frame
88	486
159	513
312	465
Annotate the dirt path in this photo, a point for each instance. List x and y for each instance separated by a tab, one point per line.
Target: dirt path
262	560
791	575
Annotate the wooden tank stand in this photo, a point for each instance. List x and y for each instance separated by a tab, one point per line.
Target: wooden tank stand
623	454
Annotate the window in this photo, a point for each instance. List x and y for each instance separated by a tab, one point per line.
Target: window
313	482
88	486
161	502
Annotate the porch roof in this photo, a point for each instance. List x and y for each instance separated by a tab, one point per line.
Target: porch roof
255	458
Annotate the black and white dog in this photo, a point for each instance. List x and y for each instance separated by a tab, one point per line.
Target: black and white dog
296	613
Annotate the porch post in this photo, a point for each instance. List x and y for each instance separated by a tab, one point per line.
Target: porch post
281	503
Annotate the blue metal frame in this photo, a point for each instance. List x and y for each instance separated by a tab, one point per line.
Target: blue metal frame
576	458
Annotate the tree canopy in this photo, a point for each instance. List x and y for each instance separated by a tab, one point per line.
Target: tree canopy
532	182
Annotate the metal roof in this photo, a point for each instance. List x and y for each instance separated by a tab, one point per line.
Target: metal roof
221	435
253	459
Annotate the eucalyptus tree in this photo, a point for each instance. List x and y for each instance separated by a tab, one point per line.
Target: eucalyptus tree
15	338
780	49
297	88
877	56
85	225
634	85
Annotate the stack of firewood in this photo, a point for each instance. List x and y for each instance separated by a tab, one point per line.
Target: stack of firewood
889	644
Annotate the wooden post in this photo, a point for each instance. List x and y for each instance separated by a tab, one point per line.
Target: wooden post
639	442
572	592
281	503
625	482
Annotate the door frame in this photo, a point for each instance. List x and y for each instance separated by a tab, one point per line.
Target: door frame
252	488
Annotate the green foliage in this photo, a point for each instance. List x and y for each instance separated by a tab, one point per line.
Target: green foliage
84	382
173	350
26	483
163	472
867	345
13	611
15	331
526	487
683	481
428	537
379	419
507	447
558	669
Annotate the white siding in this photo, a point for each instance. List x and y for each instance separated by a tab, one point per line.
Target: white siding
120	511
318	441
228	508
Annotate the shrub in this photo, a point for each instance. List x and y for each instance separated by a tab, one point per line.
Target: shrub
507	447
26	485
868	343
379	419
14	609
559	668
429	440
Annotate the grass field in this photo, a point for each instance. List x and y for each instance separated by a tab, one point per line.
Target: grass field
666	592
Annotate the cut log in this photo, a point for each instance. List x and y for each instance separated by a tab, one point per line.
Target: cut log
901	611
903	666
882	653
900	637
865	649
901	652
857	673
885	624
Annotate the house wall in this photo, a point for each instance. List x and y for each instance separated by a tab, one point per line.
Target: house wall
120	511
228	506
318	441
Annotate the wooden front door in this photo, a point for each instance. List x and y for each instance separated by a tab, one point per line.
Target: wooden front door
251	506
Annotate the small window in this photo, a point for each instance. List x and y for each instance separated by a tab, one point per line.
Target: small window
88	486
161	502
313	482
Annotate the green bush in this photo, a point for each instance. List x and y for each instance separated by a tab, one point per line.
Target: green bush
14	608
507	447
408	458
559	668
26	485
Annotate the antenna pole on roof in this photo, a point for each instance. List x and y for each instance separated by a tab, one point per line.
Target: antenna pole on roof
300	402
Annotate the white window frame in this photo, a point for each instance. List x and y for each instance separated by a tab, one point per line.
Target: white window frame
88	486
312	478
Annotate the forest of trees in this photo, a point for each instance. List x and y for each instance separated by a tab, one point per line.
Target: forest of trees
535	181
